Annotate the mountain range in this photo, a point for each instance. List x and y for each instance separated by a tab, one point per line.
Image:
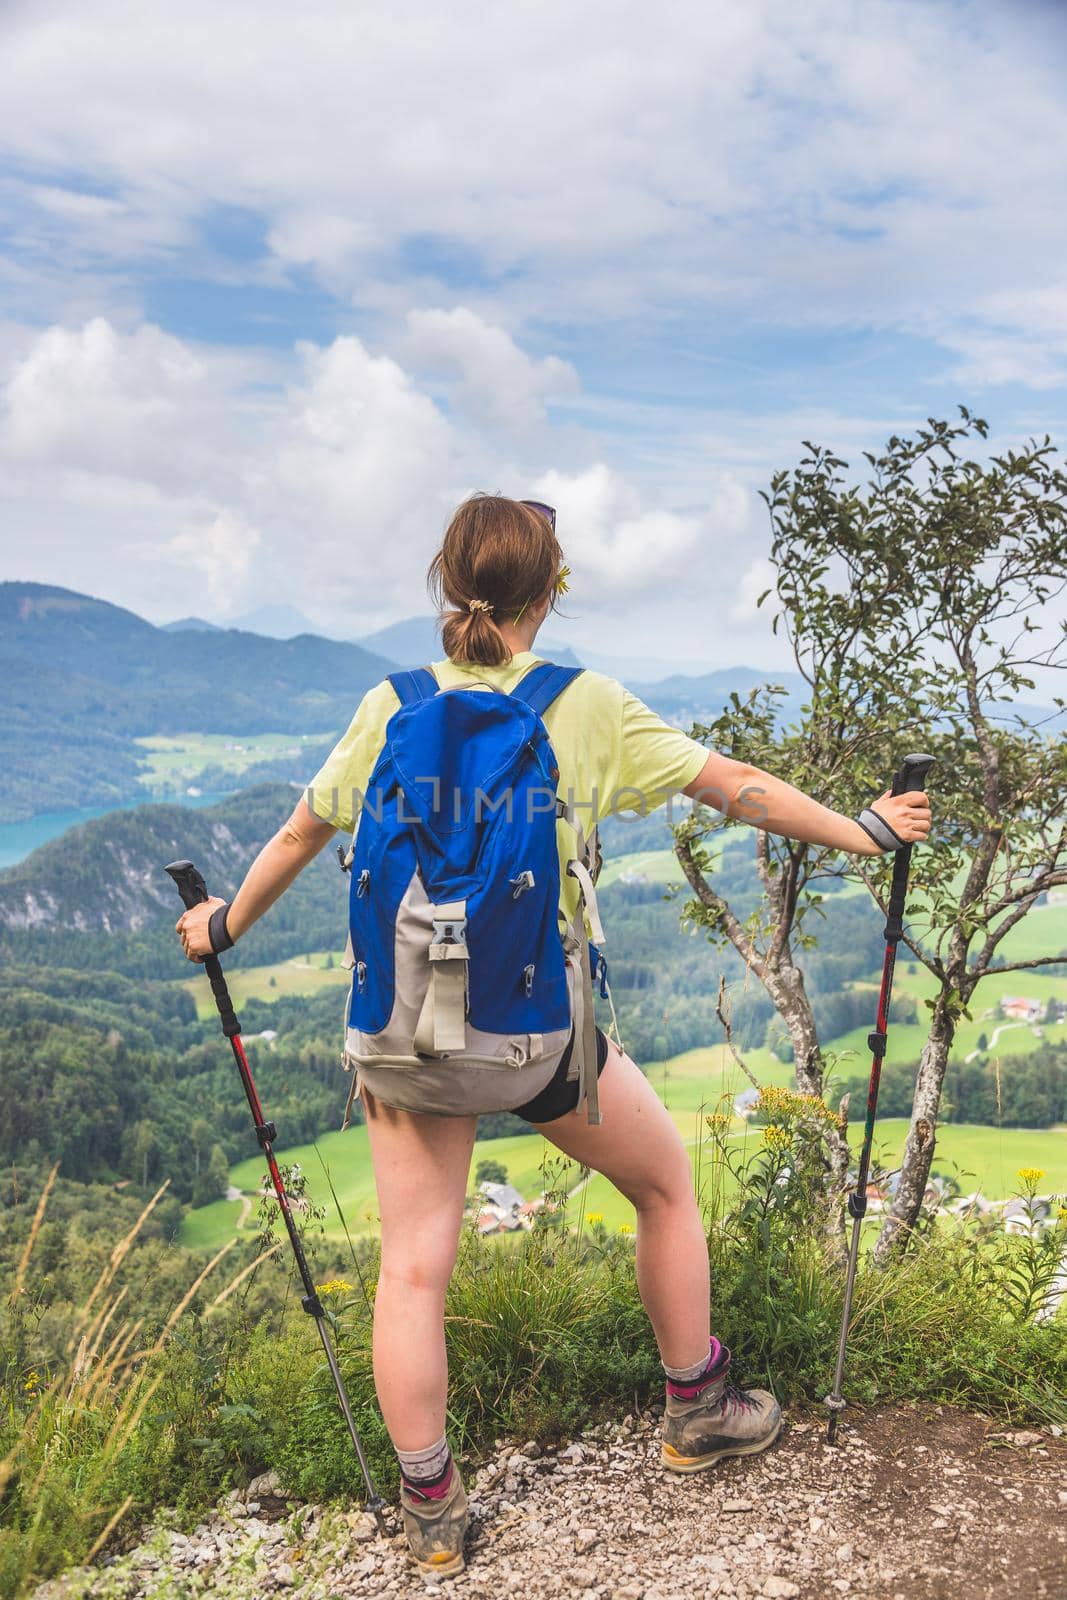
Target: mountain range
83	680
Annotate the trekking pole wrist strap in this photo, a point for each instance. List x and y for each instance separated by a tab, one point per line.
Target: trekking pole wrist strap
217	930
878	829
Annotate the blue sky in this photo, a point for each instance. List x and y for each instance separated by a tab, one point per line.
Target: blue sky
279	285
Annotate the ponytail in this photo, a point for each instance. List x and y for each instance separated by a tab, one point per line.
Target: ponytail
473	636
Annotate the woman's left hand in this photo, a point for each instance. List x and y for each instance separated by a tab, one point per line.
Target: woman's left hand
192	928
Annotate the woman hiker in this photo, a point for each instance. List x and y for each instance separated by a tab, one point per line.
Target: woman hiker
496	577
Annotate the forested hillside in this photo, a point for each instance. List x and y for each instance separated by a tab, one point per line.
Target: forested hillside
105	878
121	1081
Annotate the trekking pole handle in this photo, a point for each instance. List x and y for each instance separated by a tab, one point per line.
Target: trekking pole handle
189	881
910	777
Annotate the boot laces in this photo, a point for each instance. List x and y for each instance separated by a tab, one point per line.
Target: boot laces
736	1399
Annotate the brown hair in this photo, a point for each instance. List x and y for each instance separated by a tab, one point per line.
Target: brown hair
497	559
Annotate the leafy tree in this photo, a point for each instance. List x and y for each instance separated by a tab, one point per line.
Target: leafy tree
490	1171
214	1180
200	1139
909	604
140	1146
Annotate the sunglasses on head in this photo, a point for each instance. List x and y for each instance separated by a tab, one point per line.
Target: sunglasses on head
546	511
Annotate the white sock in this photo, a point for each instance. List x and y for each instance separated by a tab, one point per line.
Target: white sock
689	1374
419	1465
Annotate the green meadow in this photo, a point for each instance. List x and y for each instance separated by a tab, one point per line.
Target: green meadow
305	974
180	758
690	1085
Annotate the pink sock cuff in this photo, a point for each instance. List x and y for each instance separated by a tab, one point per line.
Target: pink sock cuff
695	1386
429	1491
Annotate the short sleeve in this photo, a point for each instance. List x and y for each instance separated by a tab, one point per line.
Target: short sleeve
656	760
336	791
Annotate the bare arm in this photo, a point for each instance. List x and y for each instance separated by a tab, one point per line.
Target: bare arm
752	795
281	860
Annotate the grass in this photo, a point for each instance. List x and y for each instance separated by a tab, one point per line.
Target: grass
695	1081
986	1158
688	1084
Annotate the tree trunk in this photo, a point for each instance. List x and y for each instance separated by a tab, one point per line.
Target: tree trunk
921	1141
784	983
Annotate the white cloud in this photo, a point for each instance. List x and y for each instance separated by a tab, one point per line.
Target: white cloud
95	399
332	488
499	386
365	464
619	544
223	552
812	165
754	581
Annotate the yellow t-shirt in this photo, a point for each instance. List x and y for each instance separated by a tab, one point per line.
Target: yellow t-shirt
614	753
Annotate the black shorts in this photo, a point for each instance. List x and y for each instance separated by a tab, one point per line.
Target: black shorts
558	1096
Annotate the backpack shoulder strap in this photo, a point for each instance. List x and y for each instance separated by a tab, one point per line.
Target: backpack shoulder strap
544	683
418	684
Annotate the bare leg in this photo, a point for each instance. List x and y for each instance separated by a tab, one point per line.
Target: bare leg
421	1165
640	1150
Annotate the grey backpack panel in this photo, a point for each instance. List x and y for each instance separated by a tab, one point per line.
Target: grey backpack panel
493	1072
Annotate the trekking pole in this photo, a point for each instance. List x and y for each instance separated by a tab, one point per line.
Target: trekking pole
911	777
191	887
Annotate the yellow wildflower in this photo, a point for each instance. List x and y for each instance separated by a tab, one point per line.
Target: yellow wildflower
774	1098
594	1217
783	1104
32	1383
776	1138
335	1286
1061	1213
626	1227
561	579
1031	1176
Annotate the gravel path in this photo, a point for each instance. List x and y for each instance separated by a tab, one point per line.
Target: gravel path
915	1503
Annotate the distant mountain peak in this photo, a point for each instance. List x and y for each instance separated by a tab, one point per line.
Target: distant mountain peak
191	625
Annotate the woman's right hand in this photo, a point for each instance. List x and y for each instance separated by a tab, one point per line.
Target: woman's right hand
192	928
907	814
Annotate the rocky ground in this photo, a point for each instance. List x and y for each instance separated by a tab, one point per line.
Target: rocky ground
914	1503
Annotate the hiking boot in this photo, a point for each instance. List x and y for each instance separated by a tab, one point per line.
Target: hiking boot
435	1528
721	1420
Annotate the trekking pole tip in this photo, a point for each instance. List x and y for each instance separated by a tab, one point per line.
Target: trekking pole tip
835	1404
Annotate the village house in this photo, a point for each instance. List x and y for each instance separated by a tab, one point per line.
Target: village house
1020	1008
503	1209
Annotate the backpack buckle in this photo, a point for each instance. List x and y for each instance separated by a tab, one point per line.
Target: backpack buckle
448	933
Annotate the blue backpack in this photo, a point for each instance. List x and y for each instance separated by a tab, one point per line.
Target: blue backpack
465	991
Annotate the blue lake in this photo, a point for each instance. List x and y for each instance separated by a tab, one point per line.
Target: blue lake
17	839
